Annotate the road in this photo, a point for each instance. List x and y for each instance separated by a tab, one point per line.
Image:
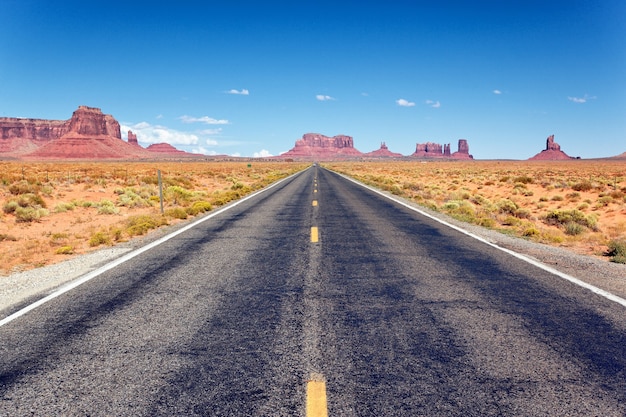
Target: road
318	296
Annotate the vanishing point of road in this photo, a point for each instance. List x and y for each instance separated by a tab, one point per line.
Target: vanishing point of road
318	297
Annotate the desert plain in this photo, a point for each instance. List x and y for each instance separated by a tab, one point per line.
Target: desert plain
53	211
576	204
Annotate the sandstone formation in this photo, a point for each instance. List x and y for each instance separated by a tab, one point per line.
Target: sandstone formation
164	148
88	134
435	150
21	136
552	152
317	146
383	152
132	138
463	150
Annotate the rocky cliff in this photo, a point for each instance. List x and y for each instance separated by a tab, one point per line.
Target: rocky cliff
383	152
435	150
317	146
552	152
88	134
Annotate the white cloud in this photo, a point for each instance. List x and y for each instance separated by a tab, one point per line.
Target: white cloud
434	104
147	133
203	151
322	97
581	99
263	154
404	103
497	92
204	119
242	92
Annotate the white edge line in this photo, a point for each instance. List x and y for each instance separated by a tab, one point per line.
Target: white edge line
91	275
563	275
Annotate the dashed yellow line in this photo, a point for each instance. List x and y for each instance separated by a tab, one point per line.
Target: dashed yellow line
314	234
314	204
316	399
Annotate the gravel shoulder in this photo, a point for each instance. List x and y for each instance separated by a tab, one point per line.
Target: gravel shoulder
20	289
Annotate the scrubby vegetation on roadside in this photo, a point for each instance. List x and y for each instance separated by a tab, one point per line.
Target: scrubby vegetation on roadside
579	204
55	209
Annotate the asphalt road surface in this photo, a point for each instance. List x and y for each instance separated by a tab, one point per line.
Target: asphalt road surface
318	296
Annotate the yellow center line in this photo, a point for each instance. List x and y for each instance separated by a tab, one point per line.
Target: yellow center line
316	399
314	234
314	203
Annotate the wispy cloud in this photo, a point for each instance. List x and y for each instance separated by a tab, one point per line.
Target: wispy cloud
497	92
434	104
204	119
210	131
242	92
322	97
147	133
404	103
581	99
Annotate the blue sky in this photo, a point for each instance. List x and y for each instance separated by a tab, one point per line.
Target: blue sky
249	78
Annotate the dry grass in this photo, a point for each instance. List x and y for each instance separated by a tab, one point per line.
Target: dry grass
51	211
578	204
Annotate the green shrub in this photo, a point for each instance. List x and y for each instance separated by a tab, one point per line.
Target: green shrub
64	207
10	207
617	251
530	231
574	229
582	186
511	221
117	233
487	222
396	189
522	213
99	238
107	207
506	206
152	180
23	187
523	180
141	224
199	207
128	197
29	214
604	201
460	209
30	200
563	217
65	250
176	213
177	194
